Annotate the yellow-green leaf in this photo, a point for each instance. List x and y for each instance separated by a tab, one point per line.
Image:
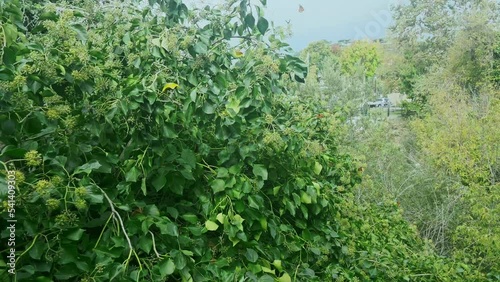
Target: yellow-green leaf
285	278
277	264
317	168
237	54
170	85
263	223
211	226
268	270
221	217
305	198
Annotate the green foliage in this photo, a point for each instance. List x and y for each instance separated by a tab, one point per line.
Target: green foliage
155	180
475	238
387	249
494	72
460	138
472	56
456	132
428	33
361	54
344	93
146	147
319	54
396	170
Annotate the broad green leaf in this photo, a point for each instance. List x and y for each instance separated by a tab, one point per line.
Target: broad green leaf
251	255
291	207
169	132
152	210
252	203
159	182
227	34
47	279
64	273
193	95
191	218
60	161
80	31
234	240
75	235
126	38
95	198
196	231
164	44
276	190
200	48
37	250
268	270
237	220
218	185
193	79
189	157
262	25
167	267
305	198
211	226
260	170
222	172
208	108
241	92
156	42
10	34
250	20
277	264
13	151
221	217
173	212
9	56
172	229
285	278
233	106
180	260
88	167
145	243
263	223
317	168
132	175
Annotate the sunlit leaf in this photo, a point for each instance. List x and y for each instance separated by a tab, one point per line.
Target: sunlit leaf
170	85
237	53
211	226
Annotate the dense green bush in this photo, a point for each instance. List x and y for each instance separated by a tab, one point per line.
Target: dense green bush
148	147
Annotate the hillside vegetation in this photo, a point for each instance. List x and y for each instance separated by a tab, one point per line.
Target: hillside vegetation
157	142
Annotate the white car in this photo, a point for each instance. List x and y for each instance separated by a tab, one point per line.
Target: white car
380	102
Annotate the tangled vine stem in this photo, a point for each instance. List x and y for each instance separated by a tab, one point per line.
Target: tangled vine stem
118	218
154	245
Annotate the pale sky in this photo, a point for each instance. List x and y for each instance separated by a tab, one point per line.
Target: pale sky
330	20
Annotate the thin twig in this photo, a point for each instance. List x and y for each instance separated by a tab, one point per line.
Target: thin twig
154	244
118	218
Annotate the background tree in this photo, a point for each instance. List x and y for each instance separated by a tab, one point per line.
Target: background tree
363	54
424	31
318	54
